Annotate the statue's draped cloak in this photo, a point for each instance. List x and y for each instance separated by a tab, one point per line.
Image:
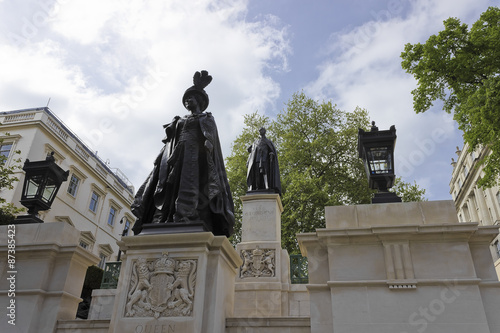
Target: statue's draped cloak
188	182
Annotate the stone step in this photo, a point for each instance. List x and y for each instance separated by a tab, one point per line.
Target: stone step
269	325
82	326
233	325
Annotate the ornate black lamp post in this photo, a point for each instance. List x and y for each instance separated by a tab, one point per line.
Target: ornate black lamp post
124	233
41	183
376	148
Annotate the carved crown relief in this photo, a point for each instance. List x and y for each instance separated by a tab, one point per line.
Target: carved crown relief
161	288
258	263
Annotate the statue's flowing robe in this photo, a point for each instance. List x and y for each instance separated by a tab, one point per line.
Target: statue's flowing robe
188	182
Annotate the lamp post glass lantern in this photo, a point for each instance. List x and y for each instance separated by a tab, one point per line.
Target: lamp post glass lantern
41	183
376	148
379	161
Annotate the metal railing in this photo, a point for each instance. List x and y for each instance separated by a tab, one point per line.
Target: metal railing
298	269
111	275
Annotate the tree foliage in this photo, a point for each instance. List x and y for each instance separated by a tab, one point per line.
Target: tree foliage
408	192
461	67
7	180
319	164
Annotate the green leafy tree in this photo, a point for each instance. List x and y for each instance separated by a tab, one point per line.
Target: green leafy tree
7	180
408	192
319	164
461	67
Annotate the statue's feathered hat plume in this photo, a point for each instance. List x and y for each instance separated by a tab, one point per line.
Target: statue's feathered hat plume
200	81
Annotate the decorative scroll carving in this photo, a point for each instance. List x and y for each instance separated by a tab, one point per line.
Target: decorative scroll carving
161	288
258	263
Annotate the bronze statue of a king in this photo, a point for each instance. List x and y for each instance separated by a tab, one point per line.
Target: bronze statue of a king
188	190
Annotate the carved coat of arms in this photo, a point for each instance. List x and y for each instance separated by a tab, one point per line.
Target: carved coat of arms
258	263
161	288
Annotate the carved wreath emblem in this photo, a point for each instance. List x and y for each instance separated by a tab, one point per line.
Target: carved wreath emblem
258	263
161	288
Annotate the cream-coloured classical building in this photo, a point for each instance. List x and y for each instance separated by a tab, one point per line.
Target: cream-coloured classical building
474	204
95	199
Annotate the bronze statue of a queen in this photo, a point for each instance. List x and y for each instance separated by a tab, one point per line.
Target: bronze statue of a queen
188	190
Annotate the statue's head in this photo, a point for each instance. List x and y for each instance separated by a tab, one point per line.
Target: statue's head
200	80
262	131
201	99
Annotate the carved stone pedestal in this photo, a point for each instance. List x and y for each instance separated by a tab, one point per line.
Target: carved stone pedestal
175	283
262	283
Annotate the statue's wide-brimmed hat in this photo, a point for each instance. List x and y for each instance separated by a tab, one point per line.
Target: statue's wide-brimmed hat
200	80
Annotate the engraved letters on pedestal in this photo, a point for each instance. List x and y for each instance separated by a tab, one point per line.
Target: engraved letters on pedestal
258	263
161	288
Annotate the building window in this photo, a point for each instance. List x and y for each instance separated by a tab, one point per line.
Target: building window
94	201
497	248
466	171
73	185
460	183
111	216
84	245
498	198
5	150
102	262
126	229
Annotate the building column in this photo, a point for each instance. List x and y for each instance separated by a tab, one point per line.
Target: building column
473	209
483	208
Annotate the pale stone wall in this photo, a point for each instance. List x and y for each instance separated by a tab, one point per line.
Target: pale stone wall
298	301
49	272
386	268
103	301
401	267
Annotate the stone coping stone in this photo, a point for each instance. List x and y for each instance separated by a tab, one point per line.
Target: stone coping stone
407	213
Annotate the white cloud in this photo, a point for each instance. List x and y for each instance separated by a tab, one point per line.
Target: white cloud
84	21
116	71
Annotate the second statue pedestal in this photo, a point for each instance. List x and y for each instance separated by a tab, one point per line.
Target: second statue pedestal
262	282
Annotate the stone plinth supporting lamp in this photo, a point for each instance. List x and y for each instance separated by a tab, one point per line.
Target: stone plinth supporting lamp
41	184
376	148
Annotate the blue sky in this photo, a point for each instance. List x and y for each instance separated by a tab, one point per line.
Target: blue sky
115	70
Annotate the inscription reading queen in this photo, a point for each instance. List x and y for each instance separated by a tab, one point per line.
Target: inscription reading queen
161	288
